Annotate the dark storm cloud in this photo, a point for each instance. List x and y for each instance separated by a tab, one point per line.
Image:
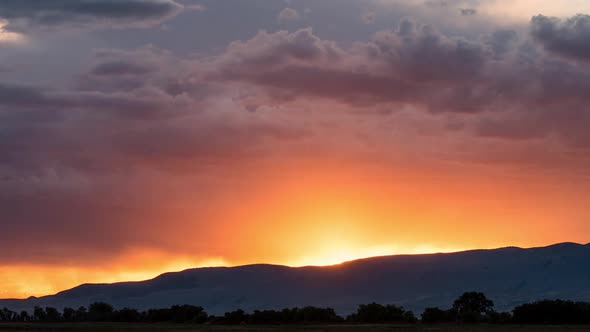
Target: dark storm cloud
405	65
11	95
43	128
418	65
96	186
501	42
108	132
115	71
23	15
60	221
124	116
128	70
81	172
140	103
569	37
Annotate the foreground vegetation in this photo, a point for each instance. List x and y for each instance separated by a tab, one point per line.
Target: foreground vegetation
142	327
471	308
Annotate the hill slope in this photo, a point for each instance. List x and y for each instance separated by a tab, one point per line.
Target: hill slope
509	276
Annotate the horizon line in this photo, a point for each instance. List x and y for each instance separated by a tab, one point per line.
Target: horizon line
304	266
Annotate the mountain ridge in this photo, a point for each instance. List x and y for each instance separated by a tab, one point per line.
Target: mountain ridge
321	266
509	275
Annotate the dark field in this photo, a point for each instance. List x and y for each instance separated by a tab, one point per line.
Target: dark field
323	328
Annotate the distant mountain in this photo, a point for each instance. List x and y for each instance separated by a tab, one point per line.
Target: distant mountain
509	276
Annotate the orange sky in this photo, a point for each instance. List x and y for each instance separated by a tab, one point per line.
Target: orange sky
173	137
321	214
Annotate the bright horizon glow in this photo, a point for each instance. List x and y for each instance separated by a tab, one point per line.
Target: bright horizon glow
517	11
332	215
33	280
41	281
525	9
336	255
9	36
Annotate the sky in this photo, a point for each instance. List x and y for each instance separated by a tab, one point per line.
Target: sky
144	136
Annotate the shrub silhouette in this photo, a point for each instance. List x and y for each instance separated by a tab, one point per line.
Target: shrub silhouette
24	316
437	315
127	315
81	314
377	313
552	312
39	314
100	312
7	315
235	317
472	307
52	315
69	314
178	314
494	317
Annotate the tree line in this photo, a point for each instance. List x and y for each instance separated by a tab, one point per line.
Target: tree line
471	307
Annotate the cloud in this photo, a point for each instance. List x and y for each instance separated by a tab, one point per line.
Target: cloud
397	66
468	11
267	50
27	15
121	68
90	168
147	67
95	164
287	15
140	102
369	17
419	66
9	36
568	37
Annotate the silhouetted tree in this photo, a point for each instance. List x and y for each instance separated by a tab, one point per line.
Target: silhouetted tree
316	315
7	315
261	317
472	306
494	317
188	314
159	315
305	315
127	315
24	316
436	315
69	314
377	313
100	312
52	315
235	317
39	314
409	317
552	312
81	314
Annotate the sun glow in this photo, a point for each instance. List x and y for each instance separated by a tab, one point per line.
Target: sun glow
322	216
525	9
9	36
338	253
22	281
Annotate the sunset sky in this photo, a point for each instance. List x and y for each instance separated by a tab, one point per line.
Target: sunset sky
145	136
